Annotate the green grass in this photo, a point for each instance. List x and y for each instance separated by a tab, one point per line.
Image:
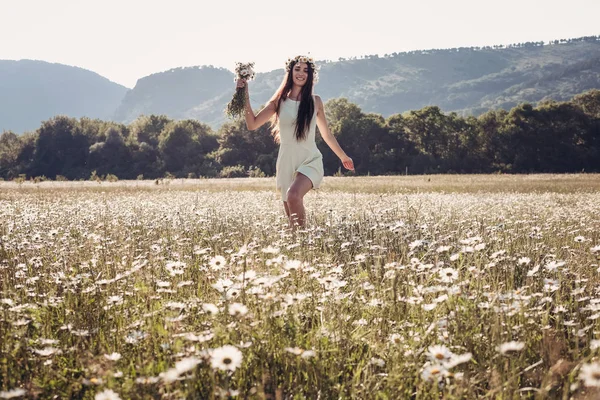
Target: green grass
347	308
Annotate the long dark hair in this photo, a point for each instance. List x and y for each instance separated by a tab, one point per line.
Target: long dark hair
306	109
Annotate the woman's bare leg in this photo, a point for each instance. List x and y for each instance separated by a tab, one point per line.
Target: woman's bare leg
287	209
295	195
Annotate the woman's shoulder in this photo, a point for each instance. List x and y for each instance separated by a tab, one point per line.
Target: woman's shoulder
318	101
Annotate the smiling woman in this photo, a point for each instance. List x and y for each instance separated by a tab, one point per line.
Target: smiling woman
295	112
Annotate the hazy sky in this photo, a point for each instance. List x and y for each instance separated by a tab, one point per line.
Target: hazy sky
124	40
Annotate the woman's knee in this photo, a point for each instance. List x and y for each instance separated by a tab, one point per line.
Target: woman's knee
294	196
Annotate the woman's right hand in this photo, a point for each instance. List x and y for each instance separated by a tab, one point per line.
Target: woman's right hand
241	83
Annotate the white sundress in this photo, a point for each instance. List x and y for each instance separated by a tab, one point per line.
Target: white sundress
296	156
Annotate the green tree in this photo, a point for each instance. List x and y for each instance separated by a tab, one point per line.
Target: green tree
589	102
492	143
184	145
60	149
147	129
10	148
111	156
239	146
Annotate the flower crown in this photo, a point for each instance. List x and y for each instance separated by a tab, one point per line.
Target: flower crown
303	59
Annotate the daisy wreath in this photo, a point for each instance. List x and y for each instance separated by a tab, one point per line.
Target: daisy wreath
303	59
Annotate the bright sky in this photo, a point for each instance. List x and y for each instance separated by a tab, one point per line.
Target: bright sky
125	40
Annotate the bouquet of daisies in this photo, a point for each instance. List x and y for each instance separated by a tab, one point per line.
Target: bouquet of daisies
235	108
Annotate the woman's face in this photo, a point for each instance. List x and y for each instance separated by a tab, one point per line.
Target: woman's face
300	73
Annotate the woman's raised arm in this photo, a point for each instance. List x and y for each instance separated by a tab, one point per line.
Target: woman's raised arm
254	122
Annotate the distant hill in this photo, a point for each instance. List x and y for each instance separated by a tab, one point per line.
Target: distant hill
34	91
469	81
182	93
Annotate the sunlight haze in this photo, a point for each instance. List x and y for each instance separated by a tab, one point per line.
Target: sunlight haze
127	40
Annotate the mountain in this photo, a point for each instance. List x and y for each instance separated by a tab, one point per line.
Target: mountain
469	81
34	91
182	93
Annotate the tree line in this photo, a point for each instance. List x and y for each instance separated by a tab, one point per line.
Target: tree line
553	42
550	137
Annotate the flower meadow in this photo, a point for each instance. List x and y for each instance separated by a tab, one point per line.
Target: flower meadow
118	291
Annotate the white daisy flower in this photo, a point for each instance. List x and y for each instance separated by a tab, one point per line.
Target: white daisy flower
292	265
308	354
175	267
210	308
457	360
7	302
238	309
524	261
226	358
443	249
510	347
377	362
48	351
13	393
590	374
439	353
181	367
217	263
479	247
294	350
107	394
415	244
554	265
395	339
271	250
498	253
223	285
433	372
533	271
448	275
113	356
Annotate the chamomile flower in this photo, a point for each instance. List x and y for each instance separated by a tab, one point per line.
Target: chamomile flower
439	353
113	356
448	275
226	358
217	263
13	393
510	347
590	374
107	394
238	309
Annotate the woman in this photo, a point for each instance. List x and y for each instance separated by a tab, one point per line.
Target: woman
295	113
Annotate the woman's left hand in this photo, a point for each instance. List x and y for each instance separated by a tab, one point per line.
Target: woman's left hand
348	163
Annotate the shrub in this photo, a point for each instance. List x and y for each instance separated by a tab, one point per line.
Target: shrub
237	171
94	176
255	172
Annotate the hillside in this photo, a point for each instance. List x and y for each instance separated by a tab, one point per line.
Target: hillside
33	91
469	81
